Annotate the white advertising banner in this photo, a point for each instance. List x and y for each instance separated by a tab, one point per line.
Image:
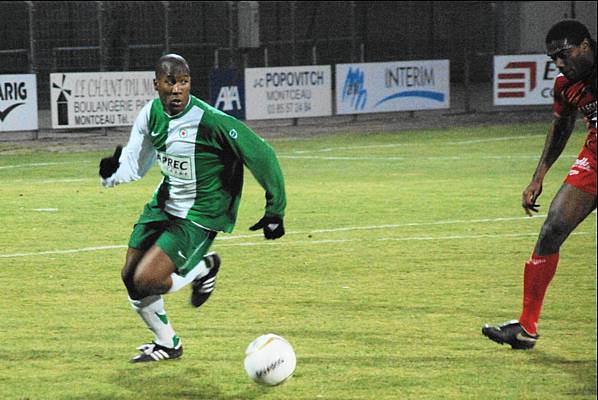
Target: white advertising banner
99	99
18	103
523	79
288	92
392	86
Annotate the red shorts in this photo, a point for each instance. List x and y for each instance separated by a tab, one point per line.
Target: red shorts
582	174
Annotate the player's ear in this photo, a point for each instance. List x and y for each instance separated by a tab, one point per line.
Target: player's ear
155	84
585	44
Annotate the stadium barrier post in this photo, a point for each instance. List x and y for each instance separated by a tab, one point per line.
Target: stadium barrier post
362	60
466	83
294	43
31	55
265	56
166	6
231	7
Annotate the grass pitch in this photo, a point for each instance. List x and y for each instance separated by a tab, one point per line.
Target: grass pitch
399	248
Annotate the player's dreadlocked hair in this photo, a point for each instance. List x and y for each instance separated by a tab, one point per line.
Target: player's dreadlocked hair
572	32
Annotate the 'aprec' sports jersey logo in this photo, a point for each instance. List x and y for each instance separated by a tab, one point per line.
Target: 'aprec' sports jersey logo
513	82
181	167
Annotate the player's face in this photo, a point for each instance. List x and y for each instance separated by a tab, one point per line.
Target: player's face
173	91
574	62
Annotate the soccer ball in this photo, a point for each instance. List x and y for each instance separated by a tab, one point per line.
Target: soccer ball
270	360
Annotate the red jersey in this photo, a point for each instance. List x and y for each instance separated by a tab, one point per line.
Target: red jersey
569	97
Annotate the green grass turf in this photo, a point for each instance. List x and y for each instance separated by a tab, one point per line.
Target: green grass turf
399	248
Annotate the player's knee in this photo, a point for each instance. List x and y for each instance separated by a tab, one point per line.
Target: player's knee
553	234
556	227
147	285
141	285
126	274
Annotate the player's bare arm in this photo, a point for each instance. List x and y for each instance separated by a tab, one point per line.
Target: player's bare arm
556	139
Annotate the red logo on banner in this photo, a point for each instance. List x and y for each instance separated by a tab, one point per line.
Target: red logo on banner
517	80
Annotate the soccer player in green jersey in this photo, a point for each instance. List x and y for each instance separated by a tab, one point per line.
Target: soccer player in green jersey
201	152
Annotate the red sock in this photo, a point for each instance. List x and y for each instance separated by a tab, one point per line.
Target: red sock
537	275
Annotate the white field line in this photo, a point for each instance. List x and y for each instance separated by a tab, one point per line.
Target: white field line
44	181
392	226
329	230
42	164
68	251
447	222
316	157
392	145
308	157
402	158
48	181
327	149
415	238
304	242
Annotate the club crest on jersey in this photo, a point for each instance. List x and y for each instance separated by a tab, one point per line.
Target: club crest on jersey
183	133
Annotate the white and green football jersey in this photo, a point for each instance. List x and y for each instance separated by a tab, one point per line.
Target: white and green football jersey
201	152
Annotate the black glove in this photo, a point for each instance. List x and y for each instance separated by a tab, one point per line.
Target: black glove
109	165
273	227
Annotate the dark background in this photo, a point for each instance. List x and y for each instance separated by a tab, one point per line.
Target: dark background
67	36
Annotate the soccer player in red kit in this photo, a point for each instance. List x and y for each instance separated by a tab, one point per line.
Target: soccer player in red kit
573	50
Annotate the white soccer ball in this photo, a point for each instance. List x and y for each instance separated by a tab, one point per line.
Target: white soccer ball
270	360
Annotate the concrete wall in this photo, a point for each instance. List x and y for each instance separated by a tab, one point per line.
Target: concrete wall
524	24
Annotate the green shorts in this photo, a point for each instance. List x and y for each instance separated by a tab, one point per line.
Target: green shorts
183	241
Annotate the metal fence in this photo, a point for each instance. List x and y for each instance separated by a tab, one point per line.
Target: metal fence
62	36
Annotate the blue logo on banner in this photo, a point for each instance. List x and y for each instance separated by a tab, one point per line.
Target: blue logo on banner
227	91
228	99
426	94
354	89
